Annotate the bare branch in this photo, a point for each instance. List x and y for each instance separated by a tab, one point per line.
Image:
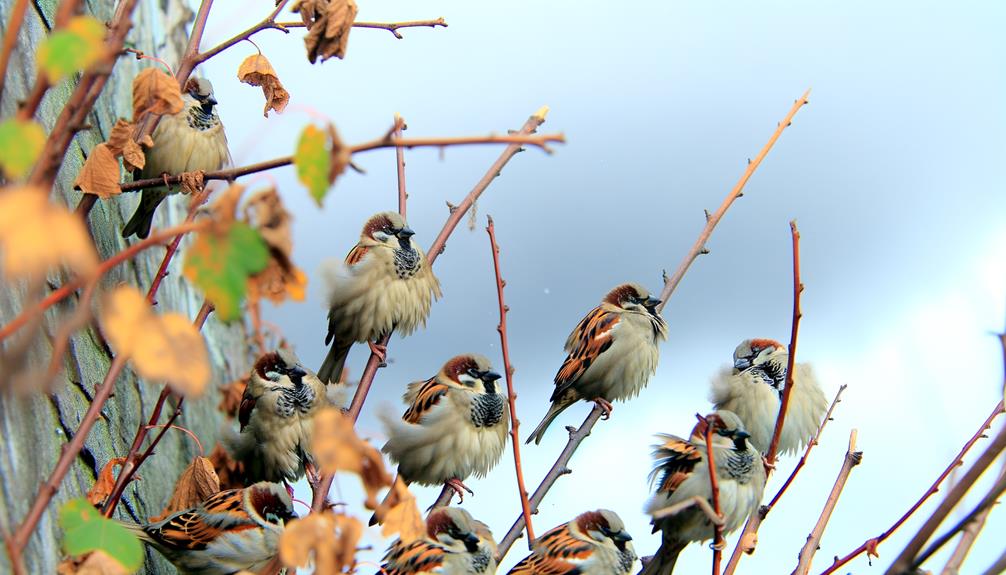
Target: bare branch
715	488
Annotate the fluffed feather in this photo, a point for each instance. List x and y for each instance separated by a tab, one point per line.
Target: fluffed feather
593	543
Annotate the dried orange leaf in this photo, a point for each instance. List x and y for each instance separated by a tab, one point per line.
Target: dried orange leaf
341	155
402	515
230	471
257	71
100	174
338	448
195	485
327	539
192	182
230	396
272	220
122	132
328	23
166	347
36	235
156	92
133	157
226	205
278	283
102	488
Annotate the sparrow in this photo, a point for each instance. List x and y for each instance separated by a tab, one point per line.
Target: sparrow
190	140
233	530
753	389
682	472
454	544
612	353
384	284
276	418
456	425
594	543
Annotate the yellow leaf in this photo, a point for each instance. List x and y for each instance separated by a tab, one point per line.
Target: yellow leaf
156	92
338	448
72	48
21	143
401	515
257	71
166	347
36	235
100	174
327	538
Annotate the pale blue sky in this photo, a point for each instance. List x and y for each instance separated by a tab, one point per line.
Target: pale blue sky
893	172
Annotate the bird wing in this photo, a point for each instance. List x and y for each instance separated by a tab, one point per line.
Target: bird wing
422	396
589	339
676	460
247	406
356	254
194	529
416	557
557	552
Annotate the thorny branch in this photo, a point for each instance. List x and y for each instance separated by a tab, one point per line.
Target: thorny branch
794	331
852	459
870	545
367	379
699	248
714	487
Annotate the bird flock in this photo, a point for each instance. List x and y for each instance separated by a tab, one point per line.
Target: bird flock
456	423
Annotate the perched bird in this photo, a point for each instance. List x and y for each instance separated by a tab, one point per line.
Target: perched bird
234	530
190	140
455	544
384	284
594	543
753	389
682	472
276	418
456	425
612	353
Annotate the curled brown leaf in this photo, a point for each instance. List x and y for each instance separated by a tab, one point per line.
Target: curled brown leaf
329	23
256	70
329	539
156	92
121	133
196	484
102	488
338	448
100	174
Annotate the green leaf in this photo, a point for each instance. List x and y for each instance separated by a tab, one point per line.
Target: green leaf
72	48
85	530
220	263
21	142
313	162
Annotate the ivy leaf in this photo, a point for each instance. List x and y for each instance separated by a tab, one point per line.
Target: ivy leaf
72	48
85	530
220	263
21	143
313	162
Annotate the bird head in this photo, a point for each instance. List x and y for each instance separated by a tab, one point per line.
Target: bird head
472	372
602	525
202	91
725	424
386	228
754	352
633	297
280	367
268	504
453	527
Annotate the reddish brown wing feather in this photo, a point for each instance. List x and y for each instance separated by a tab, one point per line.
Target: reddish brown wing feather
356	254
245	408
677	460
195	530
415	557
429	395
551	554
595	332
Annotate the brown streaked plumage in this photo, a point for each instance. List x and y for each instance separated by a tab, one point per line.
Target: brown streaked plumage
190	140
231	531
384	284
593	543
612	353
455	544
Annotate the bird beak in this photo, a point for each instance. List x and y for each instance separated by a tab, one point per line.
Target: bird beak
490	376
405	233
651	302
471	540
742	363
298	371
210	100
740	434
621	537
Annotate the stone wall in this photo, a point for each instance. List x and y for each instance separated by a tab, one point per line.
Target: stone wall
35	426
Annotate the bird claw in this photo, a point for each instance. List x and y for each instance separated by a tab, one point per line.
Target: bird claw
769	467
313	477
606	407
459	488
381	351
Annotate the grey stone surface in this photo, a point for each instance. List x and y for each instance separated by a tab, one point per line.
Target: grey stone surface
35	425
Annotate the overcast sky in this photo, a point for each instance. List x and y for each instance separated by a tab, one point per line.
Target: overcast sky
894	173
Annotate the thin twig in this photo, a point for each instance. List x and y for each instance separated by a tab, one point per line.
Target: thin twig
852	459
511	394
374	362
559	468
969	527
390	142
696	501
14	22
671	283
72	286
714	486
870	545
791	362
400	163
268	22
392	27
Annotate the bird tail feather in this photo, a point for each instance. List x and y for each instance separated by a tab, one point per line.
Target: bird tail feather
553	411
331	368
